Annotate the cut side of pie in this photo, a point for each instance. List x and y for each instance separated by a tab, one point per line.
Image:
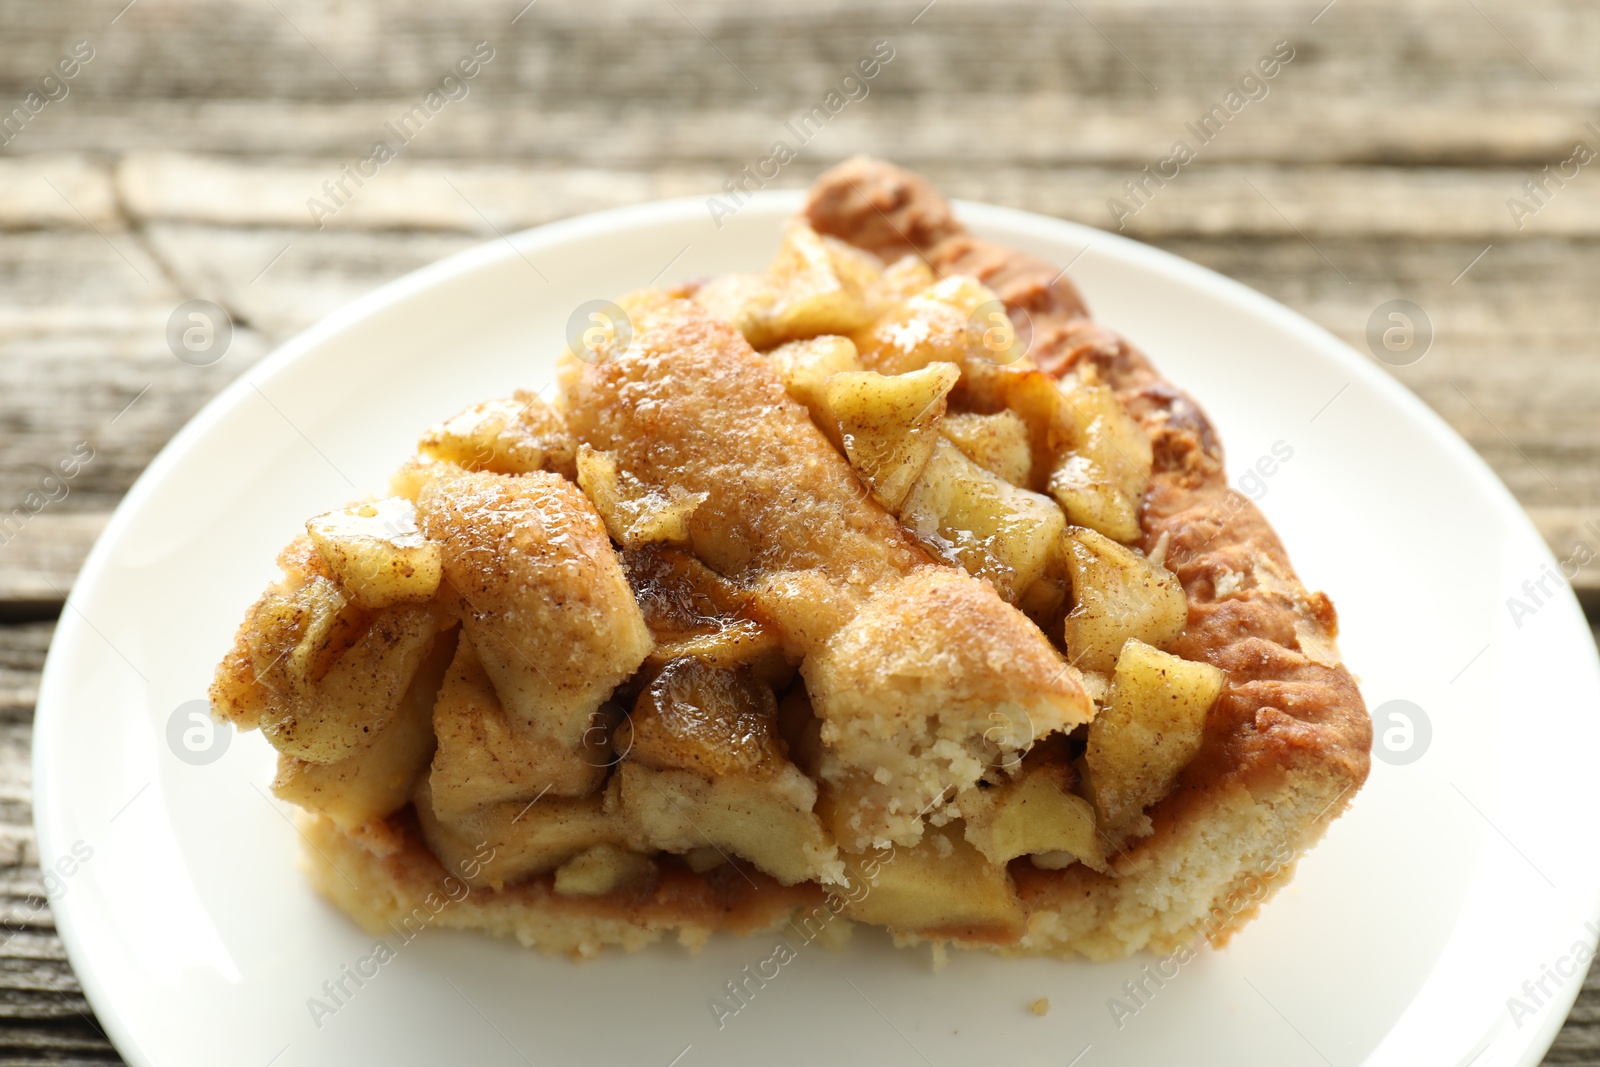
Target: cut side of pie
882	587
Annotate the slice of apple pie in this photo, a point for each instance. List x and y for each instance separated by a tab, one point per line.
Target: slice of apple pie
829	597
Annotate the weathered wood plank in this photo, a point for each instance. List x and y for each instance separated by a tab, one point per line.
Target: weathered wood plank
406	195
1208	199
1006	130
54	190
283	281
1140	50
22	652
1512	366
40	564
1235	202
381	48
1579	1040
44	1018
79	279
79	427
64	1043
228	75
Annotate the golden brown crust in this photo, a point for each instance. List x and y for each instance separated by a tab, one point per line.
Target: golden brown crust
893	212
885	210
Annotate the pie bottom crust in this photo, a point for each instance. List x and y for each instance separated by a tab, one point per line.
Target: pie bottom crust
1201	876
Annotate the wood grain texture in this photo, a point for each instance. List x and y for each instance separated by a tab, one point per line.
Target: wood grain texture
1232	200
1380	163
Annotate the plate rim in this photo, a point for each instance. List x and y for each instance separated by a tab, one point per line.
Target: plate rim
47	753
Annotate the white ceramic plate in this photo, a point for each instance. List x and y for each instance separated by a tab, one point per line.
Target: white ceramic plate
1452	881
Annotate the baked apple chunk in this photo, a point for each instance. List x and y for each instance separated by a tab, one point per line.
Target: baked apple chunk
483	756
1036	815
511	841
830	591
321	677
943	887
515	435
377	780
1153	725
704	767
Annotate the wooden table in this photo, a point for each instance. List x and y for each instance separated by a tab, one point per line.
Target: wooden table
1378	165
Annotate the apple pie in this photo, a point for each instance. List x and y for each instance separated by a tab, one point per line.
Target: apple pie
884	586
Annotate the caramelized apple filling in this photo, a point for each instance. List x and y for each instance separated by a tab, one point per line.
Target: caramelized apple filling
806	580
